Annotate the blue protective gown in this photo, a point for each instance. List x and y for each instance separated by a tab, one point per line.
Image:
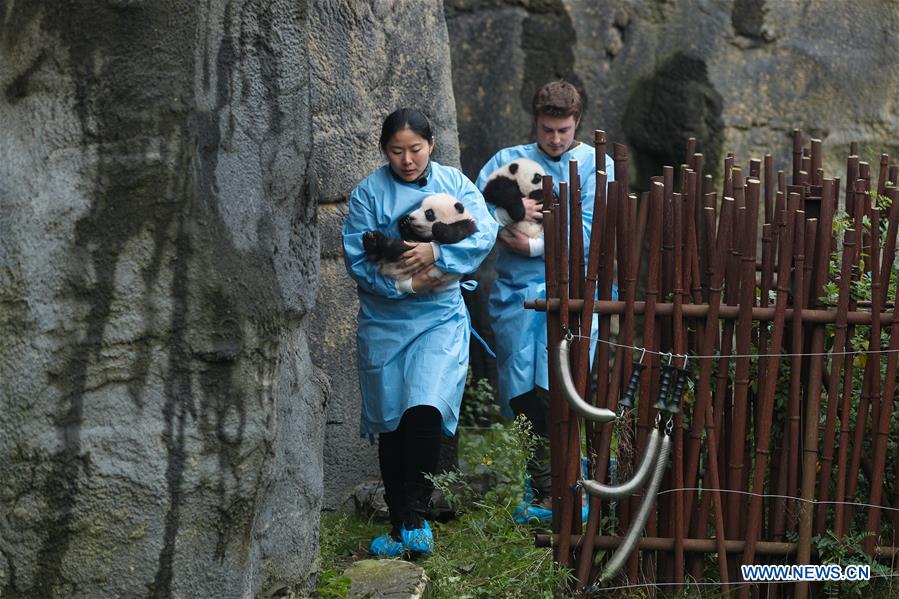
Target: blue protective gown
520	334
412	349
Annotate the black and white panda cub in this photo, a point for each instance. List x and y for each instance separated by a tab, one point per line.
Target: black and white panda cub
521	178
441	218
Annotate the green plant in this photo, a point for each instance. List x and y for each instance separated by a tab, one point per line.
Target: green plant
479	406
485	553
848	550
341	536
332	585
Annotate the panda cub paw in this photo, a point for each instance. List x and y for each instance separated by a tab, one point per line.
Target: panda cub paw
380	247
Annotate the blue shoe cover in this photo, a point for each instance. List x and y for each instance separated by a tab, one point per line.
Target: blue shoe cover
531	513
386	546
418	540
585	511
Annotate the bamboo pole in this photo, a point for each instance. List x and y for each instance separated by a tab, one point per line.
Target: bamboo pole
563	555
585	560
680	347
886	411
767	399
702	545
795	395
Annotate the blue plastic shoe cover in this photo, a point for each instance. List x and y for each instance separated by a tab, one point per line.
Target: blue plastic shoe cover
531	513
386	546
419	540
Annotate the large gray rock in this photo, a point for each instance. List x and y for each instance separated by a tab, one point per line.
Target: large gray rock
401	58
161	422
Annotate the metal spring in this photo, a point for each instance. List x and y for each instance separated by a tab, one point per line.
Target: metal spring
636	482
629	543
569	390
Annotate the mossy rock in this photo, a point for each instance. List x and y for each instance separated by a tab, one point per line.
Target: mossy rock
387	578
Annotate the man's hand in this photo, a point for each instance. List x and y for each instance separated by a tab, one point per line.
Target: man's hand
419	257
515	240
533	210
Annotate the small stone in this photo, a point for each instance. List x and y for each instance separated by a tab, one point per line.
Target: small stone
622	19
386	578
368	497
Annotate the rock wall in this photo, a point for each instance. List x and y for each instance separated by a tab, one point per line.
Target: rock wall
404	43
161	418
739	75
161	421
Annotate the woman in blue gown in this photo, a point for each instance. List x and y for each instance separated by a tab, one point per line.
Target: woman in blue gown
412	338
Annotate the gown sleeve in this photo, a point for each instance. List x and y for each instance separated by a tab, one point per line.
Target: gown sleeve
361	218
492	164
466	255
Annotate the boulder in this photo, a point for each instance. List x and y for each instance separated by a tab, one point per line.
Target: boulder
160	428
386	579
162	425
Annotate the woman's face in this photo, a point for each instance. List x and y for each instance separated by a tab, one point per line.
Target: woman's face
408	154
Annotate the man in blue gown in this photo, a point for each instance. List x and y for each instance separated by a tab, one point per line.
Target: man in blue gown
520	334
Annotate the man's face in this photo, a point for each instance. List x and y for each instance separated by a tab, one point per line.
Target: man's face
555	134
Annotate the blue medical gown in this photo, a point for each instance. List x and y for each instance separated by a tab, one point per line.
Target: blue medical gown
520	334
412	349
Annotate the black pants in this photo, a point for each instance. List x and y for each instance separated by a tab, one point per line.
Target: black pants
406	455
535	406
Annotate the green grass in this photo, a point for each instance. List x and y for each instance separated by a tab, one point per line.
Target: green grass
481	553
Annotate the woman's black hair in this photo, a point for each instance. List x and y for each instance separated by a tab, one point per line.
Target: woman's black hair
402	118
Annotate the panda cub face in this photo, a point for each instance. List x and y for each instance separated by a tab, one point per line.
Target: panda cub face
508	184
441	218
527	174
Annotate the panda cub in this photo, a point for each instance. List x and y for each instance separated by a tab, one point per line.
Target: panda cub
440	217
521	178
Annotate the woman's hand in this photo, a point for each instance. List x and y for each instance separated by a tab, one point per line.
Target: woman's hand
420	256
422	281
533	210
515	240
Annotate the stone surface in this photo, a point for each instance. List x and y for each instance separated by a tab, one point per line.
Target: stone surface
738	75
349	102
161	421
386	579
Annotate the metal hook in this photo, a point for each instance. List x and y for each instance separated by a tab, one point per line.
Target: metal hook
643	355
670	357
686	357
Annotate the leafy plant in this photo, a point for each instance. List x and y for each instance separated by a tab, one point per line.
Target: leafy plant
479	405
848	550
485	553
341	536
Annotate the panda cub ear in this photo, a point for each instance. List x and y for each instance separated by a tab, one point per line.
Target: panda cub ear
460	207
513	168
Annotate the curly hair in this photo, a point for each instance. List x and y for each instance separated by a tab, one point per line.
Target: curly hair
558	99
